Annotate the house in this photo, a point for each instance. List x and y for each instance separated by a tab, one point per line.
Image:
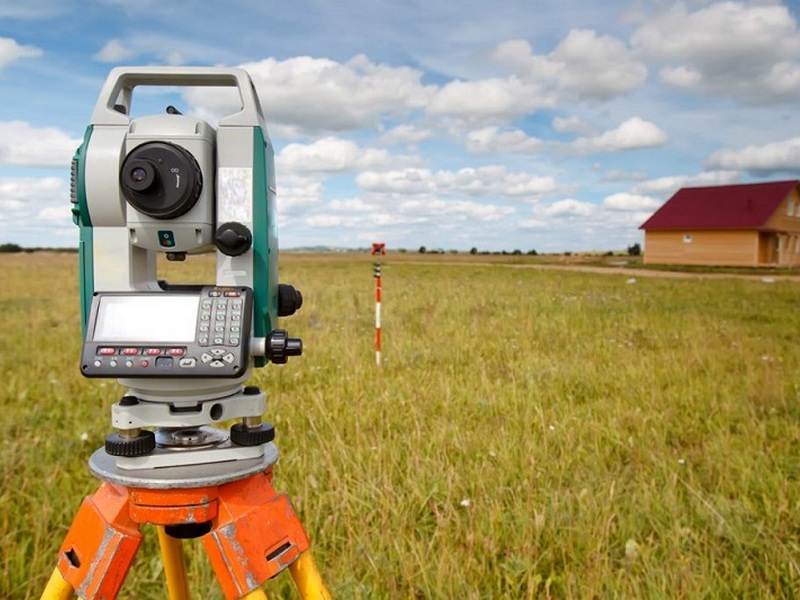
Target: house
754	224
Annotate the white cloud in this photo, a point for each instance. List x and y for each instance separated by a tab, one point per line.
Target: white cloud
305	95
406	134
596	67
633	133
352	205
490	100
22	145
533	224
114	51
573	125
663	187
31	200
566	209
11	51
434	208
328	220
749	51
375	211
491	139
571	223
298	196
681	76
332	155
624	201
487	181
775	156
584	64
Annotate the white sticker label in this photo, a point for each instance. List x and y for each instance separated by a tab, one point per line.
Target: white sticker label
235	195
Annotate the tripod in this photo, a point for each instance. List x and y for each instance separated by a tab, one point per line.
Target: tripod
249	531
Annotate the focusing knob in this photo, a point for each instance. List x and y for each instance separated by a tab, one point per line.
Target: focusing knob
136	445
289	300
280	346
233	239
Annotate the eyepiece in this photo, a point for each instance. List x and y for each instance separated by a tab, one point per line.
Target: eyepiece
139	176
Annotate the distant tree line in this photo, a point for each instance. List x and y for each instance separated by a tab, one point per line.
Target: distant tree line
634	250
9	248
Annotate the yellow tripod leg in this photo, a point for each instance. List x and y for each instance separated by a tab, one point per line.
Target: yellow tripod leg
257	594
57	588
307	578
174	565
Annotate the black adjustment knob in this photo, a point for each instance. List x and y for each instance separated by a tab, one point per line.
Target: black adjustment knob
280	346
242	435
233	239
136	445
289	300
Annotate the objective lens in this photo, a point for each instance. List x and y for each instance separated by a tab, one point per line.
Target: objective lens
161	180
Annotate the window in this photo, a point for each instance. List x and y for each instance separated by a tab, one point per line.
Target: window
790	207
687	238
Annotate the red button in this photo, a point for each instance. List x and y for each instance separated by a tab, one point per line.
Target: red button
153	352
176	351
145	363
130	351
106	351
232	294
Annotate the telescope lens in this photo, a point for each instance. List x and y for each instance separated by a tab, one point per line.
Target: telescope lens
161	180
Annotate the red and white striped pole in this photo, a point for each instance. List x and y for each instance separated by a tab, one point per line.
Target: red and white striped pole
378	248
377	314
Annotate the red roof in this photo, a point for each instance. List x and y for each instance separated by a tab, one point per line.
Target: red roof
747	206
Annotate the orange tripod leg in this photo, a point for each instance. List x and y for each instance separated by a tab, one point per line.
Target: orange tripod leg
256	535
101	543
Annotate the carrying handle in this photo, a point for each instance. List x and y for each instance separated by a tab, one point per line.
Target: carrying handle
121	81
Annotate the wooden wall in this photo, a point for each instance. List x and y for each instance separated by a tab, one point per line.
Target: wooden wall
729	248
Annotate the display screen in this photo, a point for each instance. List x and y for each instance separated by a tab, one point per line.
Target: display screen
155	318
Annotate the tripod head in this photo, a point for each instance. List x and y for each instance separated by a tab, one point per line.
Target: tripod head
173	184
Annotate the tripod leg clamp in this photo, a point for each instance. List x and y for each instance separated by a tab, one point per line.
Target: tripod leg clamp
100	545
257	534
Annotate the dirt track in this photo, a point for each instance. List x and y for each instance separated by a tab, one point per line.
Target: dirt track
633	272
613	270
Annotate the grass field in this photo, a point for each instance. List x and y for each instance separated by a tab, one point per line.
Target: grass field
531	433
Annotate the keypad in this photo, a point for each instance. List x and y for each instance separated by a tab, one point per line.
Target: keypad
220	321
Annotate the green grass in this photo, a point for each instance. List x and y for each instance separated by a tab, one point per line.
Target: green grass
530	433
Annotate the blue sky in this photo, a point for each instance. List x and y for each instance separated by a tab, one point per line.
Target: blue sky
499	125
